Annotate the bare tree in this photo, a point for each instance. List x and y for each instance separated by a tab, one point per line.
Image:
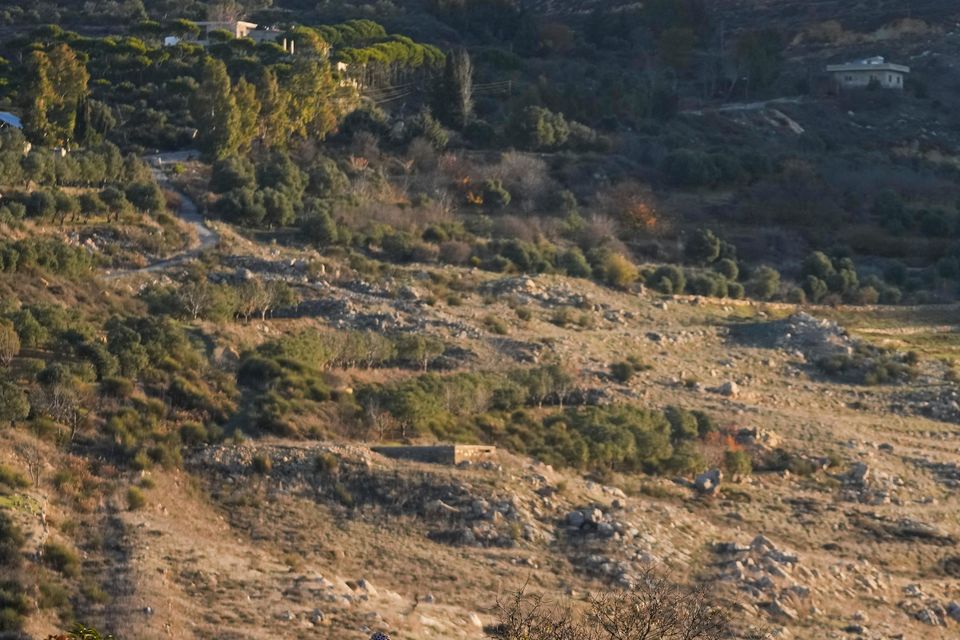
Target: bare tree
9	343
654	609
196	297
65	404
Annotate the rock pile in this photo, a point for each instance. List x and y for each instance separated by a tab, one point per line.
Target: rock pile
529	290
768	574
802	335
865	485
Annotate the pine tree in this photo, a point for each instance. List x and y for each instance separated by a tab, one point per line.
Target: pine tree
215	112
39	97
316	106
68	75
453	96
248	111
273	122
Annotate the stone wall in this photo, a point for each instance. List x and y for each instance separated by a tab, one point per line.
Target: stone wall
438	454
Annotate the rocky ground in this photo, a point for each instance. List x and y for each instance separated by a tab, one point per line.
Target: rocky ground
855	538
335	541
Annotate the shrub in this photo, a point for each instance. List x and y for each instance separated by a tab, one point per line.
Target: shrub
796	295
737	463
12	478
667	279
707	283
703	247
61	558
320	228
622	372
496	325
454	252
764	283
574	263
728	268
262	464
815	288
618	271
495	195
540	129
687	168
135	499
14	404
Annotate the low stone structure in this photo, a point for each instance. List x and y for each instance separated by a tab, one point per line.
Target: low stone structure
438	454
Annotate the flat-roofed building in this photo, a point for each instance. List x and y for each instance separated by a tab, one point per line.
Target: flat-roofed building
870	72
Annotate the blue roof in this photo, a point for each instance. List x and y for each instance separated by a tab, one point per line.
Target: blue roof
8	118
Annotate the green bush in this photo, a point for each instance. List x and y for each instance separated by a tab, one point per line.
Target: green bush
495	195
764	283
703	247
667	279
12	478
574	263
622	372
737	463
496	325
262	464
728	268
61	558
136	499
690	169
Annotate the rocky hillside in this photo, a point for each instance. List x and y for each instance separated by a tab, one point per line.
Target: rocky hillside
845	527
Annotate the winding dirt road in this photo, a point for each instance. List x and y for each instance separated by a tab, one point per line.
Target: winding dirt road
206	237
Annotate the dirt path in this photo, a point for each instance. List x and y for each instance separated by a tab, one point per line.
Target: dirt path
206	238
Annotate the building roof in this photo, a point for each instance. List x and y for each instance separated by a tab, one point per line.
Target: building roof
227	23
9	119
870	64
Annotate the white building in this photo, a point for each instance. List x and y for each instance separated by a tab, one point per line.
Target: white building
238	29
870	72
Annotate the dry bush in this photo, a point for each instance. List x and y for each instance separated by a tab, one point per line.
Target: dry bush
655	609
599	231
633	205
365	145
423	155
515	228
455	252
400	218
525	176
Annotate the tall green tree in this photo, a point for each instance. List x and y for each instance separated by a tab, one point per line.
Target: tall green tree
215	112
248	113
68	75
38	98
273	125
317	102
759	57
453	96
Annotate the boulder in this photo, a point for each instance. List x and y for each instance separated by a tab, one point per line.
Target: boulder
730	389
709	481
781	610
859	473
576	519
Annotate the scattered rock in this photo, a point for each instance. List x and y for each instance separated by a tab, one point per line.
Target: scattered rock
709	481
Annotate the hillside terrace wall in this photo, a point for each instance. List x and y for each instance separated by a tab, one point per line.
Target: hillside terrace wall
451	454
